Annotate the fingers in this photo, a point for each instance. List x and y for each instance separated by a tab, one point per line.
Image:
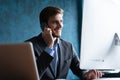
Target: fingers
48	38
90	75
93	74
47	31
98	74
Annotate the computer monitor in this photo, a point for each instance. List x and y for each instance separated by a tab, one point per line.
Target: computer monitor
17	62
100	37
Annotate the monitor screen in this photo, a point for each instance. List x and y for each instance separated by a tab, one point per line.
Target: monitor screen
100	43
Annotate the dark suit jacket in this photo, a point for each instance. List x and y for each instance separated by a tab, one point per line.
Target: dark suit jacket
67	60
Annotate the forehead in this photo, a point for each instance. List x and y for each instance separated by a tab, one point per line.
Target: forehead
56	17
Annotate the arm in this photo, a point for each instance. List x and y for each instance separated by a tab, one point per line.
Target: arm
42	54
75	67
43	61
46	56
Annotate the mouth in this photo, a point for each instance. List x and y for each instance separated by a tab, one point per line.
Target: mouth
57	33
58	30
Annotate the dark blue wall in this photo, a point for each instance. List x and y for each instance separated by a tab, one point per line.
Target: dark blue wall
19	20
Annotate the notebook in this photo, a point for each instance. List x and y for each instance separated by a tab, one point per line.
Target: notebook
17	62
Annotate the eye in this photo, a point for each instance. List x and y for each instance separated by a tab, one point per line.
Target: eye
53	22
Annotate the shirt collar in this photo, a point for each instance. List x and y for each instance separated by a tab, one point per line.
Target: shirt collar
58	42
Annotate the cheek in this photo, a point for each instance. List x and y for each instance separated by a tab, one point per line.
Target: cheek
53	26
53	29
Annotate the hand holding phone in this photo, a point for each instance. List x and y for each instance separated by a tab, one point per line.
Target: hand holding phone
47	36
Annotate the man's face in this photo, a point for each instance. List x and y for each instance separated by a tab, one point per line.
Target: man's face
56	24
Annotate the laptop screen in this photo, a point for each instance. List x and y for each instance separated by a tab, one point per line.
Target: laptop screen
100	38
17	62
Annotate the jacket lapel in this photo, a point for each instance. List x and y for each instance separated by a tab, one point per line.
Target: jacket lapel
60	61
51	69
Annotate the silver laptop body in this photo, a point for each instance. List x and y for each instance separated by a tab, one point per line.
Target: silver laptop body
17	62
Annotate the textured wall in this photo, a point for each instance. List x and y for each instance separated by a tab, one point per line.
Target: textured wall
19	20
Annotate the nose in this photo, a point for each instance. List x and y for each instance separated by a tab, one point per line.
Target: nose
60	24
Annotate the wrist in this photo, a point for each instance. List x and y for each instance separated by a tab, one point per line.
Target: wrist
50	45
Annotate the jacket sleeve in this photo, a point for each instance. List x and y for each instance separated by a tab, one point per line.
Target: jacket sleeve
75	65
43	61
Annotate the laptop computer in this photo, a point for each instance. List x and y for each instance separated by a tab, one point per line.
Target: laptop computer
100	39
17	62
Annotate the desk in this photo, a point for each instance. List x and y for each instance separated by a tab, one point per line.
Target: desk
109	79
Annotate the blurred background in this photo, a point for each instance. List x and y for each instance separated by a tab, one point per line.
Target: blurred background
19	21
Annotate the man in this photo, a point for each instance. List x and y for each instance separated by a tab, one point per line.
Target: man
55	56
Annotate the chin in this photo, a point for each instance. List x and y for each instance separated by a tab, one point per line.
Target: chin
56	35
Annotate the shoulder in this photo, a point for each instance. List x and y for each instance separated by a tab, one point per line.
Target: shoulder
65	43
35	39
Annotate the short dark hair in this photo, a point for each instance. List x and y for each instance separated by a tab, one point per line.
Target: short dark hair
48	12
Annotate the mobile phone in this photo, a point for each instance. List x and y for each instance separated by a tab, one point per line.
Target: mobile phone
46	25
